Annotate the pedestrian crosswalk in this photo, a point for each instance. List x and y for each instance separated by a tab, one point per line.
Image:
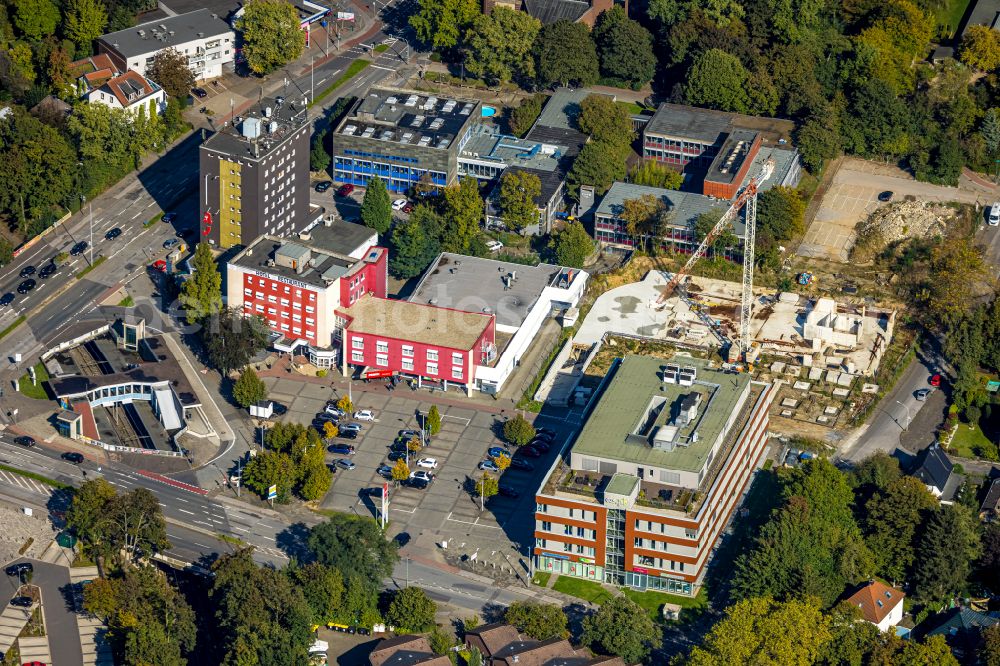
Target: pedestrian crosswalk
23	482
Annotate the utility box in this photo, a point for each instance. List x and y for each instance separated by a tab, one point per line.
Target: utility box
262	410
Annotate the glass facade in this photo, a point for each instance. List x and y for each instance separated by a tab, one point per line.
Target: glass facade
566	567
397	177
642	582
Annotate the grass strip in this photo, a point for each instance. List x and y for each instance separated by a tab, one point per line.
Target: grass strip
36	391
352	70
97	262
37	477
153	220
381	48
17	322
231	540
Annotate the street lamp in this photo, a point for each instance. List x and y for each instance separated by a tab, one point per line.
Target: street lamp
906	407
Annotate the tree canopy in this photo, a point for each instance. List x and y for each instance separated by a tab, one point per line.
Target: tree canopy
170	70
625	49
500	45
356	544
566	54
621	627
537	620
376	206
516	200
271	33
249	389
571	245
411	610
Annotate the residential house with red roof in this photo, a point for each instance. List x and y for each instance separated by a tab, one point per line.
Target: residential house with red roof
100	81
880	604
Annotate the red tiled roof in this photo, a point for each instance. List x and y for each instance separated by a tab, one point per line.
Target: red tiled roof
89	428
876	600
85	66
128	83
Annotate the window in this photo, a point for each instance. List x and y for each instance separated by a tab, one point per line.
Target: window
691	534
542	508
540	543
456	359
260	308
581	532
358	343
296	317
456	373
310	309
568	547
407	364
358	357
272	299
546	526
284	327
310	321
297	330
432	368
568	530
284	302
259	294
272	311
407	350
312	296
638	542
381	359
382	346
432	355
248	292
579	549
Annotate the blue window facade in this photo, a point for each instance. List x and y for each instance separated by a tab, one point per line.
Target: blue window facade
398	177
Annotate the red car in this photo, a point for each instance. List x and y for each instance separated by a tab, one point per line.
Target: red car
935	381
408	208
160	265
345	190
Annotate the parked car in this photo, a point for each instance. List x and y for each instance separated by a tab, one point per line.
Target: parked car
342	449
345	190
428	463
399	445
494	245
27	271
398	204
344	463
994	218
323	416
199	93
324	185
885	196
169	217
531	452
48	270
364	415
421	474
408	434
79	248
19	568
384	471
521	464
408	208
496	451
170	243
396	455
544	436
419	484
350	427
21	602
922	393
489	466
25	440
73	457
113	234
279	408
347	434
26	286
6	299
333	409
546	431
539	444
508	491
159	265
935	380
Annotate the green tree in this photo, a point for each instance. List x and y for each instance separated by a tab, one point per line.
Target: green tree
487	486
571	245
599	164
891	520
462	210
566	54
322	587
621	627
345	404
718	80
315	481
625	48
330	430
6	252
270	468
518	191
85	21
988	565
945	552
980	48
441	23
518	430
763	631
232	340
376	207
356	544
499	45
475	657
261	617
271	34
524	115
537	620
433	422
780	214
640	216
36	19
87	513
603	119
411	609
319	158
441	641
414	248
400	471
502	462
36	171
852	640
17	72
249	389
201	294
135	524
654	174
989	654
991	131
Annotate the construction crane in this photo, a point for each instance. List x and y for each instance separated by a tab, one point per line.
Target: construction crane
747	196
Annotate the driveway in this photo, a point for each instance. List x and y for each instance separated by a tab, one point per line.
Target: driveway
853	196
60	618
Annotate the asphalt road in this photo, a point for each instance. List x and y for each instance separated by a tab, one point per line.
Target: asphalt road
57	609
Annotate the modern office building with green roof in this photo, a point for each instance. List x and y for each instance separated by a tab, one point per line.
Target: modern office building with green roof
666	452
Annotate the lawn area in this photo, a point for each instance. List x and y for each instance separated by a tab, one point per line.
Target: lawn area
631	107
381	48
31	390
950	14
582	589
970	442
352	70
653	601
541	578
17	322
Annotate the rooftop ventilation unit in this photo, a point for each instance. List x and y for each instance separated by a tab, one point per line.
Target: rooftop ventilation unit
424	141
411	100
267	112
162	27
272	127
251	128
350	130
406	138
368	133
392	99
386	135
687	376
670	373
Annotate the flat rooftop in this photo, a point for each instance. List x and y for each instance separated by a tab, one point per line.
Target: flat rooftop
403	320
477	284
261	129
341	237
325	267
707	126
624	407
563	107
409	117
512	151
731	157
685	207
165	32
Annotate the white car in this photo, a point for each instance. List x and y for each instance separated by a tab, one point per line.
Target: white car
427	463
494	245
364	415
420	474
398	204
994	218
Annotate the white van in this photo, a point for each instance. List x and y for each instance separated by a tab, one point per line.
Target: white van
994	218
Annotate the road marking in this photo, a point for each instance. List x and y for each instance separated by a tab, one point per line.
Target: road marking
240	529
388	69
200	545
190	513
264	536
202	522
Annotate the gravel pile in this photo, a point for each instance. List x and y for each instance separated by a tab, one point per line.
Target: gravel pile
907	219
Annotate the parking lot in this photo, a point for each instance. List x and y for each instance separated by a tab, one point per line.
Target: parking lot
447	506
